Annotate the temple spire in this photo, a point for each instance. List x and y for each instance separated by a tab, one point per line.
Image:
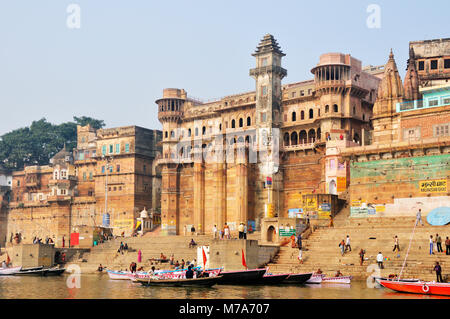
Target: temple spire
411	84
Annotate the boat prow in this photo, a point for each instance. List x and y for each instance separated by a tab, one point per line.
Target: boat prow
241	277
10	271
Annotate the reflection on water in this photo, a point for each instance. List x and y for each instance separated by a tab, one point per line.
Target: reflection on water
99	286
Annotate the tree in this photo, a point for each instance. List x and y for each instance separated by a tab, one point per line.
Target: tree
35	145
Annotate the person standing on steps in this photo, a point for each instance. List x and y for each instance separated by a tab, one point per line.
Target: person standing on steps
342	247
447	246
347	244
215	232
419	217
300	246
439	243
431	245
361	257
396	246
437	268
380	260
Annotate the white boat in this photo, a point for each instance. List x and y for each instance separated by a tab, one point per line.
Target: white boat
9	271
315	279
337	280
121	275
172	274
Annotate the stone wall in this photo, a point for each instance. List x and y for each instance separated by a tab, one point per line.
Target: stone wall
398	186
228	254
32	255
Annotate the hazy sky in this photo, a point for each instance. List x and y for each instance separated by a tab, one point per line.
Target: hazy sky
125	52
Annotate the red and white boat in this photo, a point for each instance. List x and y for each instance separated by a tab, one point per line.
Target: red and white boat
421	287
121	275
337	280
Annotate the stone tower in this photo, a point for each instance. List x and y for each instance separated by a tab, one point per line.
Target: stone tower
411	85
268	74
390	92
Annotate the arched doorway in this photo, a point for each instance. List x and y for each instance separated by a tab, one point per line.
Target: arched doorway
332	187
270	234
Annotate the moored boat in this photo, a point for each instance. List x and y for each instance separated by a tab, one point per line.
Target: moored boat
297	278
241	277
192	282
420	287
9	271
337	280
41	271
121	275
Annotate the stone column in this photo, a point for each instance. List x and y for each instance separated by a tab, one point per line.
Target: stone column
241	185
199	197
169	200
221	195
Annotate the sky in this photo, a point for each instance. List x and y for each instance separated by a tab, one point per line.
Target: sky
120	55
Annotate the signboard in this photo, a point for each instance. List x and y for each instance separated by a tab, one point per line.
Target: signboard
74	239
286	231
433	186
341	184
269	210
295	213
310	203
326	207
123	223
251	224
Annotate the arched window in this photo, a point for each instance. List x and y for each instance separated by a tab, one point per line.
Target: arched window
233	124
294	116
327	108
172	134
241	122
294	138
203	130
189	132
220	127
249	121
311	136
286	139
311	113
335	108
318	133
302	115
302	137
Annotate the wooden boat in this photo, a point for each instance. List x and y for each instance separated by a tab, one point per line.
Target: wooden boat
173	274
272	279
241	277
193	282
41	272
337	280
421	287
9	271
297	278
315	279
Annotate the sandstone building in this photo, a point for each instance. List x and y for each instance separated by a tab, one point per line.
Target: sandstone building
106	181
252	155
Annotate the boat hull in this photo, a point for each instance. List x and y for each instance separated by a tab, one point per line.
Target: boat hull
273	279
9	271
194	282
315	279
41	272
297	278
242	277
421	287
337	280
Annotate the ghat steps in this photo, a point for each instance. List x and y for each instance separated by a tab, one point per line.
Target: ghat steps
373	235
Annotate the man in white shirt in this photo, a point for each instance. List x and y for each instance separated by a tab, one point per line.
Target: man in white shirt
380	260
215	232
347	244
419	217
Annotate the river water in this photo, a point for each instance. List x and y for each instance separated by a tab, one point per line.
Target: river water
99	286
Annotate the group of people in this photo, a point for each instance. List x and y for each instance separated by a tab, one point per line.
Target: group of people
344	246
48	240
436	245
123	247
